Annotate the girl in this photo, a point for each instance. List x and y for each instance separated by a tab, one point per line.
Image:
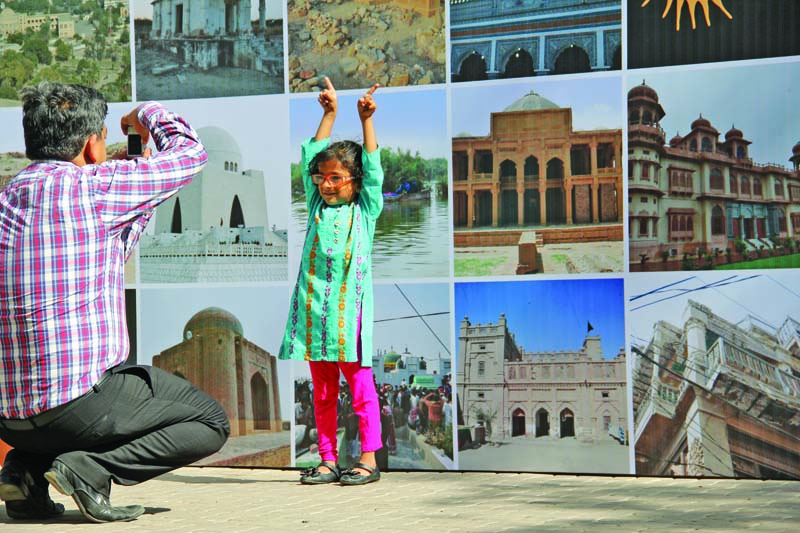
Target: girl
330	318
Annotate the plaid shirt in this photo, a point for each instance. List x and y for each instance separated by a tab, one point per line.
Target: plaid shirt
65	234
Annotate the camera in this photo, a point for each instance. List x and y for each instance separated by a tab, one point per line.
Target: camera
134	143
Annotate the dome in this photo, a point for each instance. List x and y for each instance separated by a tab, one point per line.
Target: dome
734	133
531	102
212	317
796	149
701	122
218	140
392	357
675	141
643	91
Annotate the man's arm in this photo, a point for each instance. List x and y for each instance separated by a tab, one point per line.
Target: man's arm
128	189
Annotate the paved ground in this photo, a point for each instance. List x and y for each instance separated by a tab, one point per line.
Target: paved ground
220	499
548	454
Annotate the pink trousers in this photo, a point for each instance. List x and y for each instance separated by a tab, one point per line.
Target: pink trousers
325	377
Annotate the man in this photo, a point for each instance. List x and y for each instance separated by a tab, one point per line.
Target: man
74	414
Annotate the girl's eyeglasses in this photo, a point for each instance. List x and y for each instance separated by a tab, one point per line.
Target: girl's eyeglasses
334	179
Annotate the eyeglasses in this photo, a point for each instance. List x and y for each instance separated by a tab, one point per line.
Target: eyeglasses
334	179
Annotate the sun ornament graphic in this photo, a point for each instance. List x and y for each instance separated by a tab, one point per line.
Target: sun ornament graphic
691	5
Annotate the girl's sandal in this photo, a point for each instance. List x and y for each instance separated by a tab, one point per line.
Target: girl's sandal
313	475
354	477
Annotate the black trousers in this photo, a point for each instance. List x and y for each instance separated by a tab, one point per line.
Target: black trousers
138	423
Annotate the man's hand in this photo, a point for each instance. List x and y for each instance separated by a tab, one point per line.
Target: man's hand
132	119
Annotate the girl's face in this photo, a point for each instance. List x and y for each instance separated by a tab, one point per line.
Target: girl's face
336	194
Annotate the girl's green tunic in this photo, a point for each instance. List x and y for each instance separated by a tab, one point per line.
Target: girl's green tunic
334	285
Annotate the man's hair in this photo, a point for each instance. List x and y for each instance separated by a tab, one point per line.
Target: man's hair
57	118
348	153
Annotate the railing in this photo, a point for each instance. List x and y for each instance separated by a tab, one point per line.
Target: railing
658	401
722	354
214	250
481	176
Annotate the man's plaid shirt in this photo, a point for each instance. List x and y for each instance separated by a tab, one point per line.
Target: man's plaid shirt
65	234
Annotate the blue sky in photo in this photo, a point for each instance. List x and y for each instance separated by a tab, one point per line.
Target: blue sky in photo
768	295
596	102
411	120
760	100
548	315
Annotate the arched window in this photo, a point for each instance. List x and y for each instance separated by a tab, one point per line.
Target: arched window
757	190
643	227
705	144
689	223
675	224
177	222
717	221
633	118
781	221
717	183
734	185
693	145
647	118
237	215
531	166
682	223
778	188
227	165
745	185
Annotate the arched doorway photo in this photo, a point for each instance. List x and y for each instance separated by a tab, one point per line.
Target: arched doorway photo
567	427
542	423
518	423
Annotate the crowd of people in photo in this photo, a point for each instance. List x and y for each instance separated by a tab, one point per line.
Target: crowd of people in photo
427	412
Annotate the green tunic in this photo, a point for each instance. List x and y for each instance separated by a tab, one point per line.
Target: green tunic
334	285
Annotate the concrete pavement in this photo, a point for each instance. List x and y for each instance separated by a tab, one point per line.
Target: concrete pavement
226	499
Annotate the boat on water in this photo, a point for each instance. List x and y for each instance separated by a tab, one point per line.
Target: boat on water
406	196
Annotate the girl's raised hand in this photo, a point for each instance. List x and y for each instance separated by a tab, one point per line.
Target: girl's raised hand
366	105
327	98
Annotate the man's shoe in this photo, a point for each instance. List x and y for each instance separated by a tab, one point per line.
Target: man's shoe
94	505
25	500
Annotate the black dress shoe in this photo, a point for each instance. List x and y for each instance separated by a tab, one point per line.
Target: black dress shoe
25	500
94	505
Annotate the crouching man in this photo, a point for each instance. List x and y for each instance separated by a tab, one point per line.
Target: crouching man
77	418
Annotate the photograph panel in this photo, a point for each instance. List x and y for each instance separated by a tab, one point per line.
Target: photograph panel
541	376
412	367
715	361
537	177
491	39
663	32
207	48
706	200
230	223
69	41
412	234
225	342
394	43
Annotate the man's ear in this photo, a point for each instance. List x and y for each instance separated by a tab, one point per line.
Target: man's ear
94	151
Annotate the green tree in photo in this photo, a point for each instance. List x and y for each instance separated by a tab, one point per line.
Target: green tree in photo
15	69
37	50
63	51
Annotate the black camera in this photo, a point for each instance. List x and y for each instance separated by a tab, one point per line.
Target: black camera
134	143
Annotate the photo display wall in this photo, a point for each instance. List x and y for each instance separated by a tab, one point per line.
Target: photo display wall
588	259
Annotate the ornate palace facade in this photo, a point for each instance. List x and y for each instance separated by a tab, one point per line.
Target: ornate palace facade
699	192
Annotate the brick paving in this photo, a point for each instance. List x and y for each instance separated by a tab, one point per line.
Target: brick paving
227	499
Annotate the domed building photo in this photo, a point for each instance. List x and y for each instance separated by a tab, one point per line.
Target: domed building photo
542	190
708	199
221	341
220	227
